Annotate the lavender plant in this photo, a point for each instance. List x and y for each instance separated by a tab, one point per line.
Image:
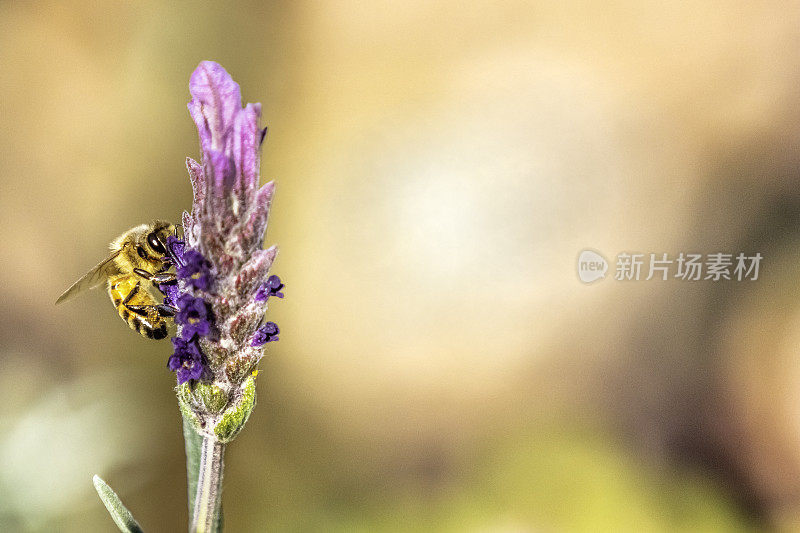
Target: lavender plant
222	288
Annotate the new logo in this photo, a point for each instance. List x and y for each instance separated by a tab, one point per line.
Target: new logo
591	266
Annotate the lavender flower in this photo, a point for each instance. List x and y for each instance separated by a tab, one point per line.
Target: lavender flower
196	270
272	287
222	270
187	360
170	291
193	316
266	333
175	250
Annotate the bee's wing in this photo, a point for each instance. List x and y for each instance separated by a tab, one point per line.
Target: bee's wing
92	279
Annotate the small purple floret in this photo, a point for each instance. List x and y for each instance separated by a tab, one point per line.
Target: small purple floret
266	333
196	270
187	360
170	291
272	287
175	249
193	315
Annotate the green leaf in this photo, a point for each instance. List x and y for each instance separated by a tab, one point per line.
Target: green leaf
193	442
122	517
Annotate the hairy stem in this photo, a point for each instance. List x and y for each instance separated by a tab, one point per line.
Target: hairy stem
209	486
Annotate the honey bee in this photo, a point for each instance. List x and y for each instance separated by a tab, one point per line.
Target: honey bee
137	265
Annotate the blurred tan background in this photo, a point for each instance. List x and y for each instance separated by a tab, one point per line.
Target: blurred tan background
439	167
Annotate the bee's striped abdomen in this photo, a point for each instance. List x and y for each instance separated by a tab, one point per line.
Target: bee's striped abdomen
157	333
136	306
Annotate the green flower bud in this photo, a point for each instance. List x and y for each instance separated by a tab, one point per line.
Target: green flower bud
207	408
235	416
212	397
203	397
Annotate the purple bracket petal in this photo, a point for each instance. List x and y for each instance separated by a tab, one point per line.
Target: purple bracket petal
257	221
249	140
198	180
255	272
188	228
222	172
216	99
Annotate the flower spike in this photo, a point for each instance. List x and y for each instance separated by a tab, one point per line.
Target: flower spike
222	270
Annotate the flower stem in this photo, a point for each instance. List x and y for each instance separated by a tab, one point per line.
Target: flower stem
209	486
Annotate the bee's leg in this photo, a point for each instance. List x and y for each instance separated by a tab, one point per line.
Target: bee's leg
162	278
159	284
160	309
131	295
166	310
148	310
142	273
140	310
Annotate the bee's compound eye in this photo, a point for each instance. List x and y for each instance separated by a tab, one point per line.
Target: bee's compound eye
155	243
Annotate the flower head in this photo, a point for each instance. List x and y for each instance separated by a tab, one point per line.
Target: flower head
221	266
